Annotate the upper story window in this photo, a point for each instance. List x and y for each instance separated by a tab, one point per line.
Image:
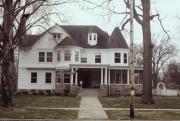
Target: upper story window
49	57
33	77
48	78
56	35
58	55
95	37
67	55
92	38
125	57
98	58
76	56
83	60
41	56
117	57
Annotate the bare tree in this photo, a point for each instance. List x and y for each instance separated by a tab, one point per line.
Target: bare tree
163	51
143	16
18	16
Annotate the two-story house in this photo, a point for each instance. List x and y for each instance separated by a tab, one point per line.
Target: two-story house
61	57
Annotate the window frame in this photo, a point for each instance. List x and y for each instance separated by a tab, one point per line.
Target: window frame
58	55
49	58
35	77
98	58
67	55
117	59
77	56
125	58
66	78
84	58
41	56
90	36
48	80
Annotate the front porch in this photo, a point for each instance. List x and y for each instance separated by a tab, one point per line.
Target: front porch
110	81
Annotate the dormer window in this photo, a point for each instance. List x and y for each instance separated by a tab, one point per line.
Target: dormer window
56	35
92	38
95	37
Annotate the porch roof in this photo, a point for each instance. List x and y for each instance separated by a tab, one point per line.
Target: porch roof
89	65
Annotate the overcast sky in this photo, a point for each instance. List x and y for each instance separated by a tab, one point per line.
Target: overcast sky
169	11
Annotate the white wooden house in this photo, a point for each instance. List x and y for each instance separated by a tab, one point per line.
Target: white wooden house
59	58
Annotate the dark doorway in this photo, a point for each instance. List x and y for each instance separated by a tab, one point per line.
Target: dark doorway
90	78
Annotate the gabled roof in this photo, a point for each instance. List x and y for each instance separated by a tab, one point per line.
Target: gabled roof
68	41
29	40
80	34
79	37
116	40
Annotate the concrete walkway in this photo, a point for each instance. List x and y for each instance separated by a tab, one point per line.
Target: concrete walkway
90	107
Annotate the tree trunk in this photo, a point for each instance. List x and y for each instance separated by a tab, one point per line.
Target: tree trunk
7	61
7	78
147	52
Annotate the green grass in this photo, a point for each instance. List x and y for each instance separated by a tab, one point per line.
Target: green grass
123	102
146	115
17	113
46	101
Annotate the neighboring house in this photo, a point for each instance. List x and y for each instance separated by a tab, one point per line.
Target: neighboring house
61	57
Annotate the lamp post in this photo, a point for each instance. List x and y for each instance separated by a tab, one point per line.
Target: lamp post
131	60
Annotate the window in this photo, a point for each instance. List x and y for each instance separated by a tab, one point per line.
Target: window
125	57
56	35
33	77
49	56
138	76
58	55
67	55
118	76
83	60
76	56
48	77
117	57
98	58
66	78
90	37
41	56
95	37
59	36
59	77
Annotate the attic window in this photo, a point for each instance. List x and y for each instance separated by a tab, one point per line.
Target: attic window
56	35
92	38
95	37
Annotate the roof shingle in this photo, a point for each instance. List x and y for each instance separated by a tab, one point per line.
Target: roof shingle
116	40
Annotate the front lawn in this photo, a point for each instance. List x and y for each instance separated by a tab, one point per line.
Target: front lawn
46	101
123	102
17	113
145	115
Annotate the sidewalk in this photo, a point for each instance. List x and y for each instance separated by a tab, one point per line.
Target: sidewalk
153	109
91	108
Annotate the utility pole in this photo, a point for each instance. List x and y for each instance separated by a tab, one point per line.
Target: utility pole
131	60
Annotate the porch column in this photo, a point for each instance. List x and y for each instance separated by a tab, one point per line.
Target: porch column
127	76
101	76
71	76
76	77
105	77
109	76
